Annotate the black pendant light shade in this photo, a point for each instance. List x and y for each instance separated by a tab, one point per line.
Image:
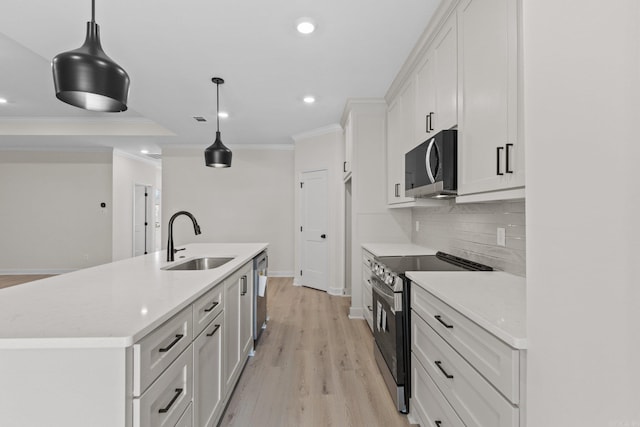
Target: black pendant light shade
217	155
87	78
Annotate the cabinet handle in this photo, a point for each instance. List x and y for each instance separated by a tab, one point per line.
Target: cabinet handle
170	346
431	121
438	364
210	334
175	397
397	190
439	319
344	166
426	123
438	423
244	286
498	160
508	167
213	305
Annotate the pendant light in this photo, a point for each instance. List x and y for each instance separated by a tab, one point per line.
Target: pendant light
217	155
87	78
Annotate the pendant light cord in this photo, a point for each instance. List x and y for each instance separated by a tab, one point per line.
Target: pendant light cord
218	106
93	11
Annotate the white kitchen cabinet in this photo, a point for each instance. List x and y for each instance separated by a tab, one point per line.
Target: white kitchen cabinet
367	288
164	402
490	154
208	383
400	139
187	418
437	85
246	311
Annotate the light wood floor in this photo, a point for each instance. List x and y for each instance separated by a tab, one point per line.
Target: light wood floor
12	280
313	367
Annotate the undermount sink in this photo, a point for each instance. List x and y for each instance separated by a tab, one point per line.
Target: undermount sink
205	263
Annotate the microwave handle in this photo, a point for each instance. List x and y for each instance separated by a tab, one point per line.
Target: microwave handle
427	160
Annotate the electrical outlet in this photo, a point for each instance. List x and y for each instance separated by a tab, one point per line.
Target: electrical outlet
417	226
502	238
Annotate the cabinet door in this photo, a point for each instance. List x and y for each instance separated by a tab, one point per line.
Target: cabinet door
445	59
207	374
487	58
231	331
425	111
246	313
400	139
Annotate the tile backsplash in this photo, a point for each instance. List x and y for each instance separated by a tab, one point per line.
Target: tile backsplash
470	231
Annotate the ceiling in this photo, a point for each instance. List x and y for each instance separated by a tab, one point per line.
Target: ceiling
172	49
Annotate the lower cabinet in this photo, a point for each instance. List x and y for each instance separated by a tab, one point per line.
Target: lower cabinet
207	374
187	418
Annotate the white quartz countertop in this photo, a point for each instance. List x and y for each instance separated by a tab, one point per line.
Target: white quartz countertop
397	249
494	300
111	305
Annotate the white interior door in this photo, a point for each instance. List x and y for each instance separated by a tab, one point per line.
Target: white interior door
141	213
313	221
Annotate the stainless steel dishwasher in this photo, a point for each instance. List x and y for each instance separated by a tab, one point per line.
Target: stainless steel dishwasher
260	264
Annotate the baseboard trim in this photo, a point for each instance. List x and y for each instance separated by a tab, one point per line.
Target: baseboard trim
356	313
272	273
38	271
338	292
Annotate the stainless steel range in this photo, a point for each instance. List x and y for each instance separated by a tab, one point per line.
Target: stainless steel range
391	323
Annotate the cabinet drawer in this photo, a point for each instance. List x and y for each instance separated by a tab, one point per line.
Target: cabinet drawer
475	401
427	403
206	308
493	358
155	352
367	259
165	401
186	420
367	302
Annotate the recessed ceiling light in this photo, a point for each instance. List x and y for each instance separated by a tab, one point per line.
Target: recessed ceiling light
309	99
3	101
305	26
223	114
144	151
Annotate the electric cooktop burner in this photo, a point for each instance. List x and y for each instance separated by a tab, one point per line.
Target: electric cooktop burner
439	262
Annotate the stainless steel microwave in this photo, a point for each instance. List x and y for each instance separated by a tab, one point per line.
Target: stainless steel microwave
431	169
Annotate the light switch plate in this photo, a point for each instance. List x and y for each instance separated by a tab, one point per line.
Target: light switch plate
501	239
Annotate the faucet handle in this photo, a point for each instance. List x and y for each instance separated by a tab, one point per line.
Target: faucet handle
176	250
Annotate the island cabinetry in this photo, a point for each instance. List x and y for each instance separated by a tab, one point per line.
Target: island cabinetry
156	351
187	418
491	154
206	308
238	338
207	367
168	397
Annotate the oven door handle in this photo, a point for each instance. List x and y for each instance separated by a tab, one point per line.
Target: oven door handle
382	292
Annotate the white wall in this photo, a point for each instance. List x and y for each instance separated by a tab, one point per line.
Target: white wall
127	172
318	150
252	201
582	72
50	214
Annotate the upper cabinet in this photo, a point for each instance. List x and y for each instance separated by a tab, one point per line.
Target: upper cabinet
490	155
463	74
437	85
400	139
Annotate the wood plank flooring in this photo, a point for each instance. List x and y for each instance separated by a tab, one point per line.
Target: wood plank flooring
12	280
313	367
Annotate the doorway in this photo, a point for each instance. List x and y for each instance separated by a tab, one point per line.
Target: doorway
314	212
143	238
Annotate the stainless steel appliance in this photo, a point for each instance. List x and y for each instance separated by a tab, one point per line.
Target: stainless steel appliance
260	264
431	169
391	323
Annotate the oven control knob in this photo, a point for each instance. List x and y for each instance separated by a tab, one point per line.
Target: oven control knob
389	280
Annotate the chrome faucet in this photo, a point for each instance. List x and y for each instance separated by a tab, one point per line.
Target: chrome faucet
196	228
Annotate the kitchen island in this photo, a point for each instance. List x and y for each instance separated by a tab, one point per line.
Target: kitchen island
99	346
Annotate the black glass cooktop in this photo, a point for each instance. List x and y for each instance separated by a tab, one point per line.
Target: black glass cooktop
439	262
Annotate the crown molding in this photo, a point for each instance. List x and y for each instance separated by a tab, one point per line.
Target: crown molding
317	132
360	103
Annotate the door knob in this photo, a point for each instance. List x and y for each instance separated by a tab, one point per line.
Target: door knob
323	236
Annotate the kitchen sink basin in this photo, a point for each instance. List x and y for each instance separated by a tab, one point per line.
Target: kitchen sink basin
205	263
